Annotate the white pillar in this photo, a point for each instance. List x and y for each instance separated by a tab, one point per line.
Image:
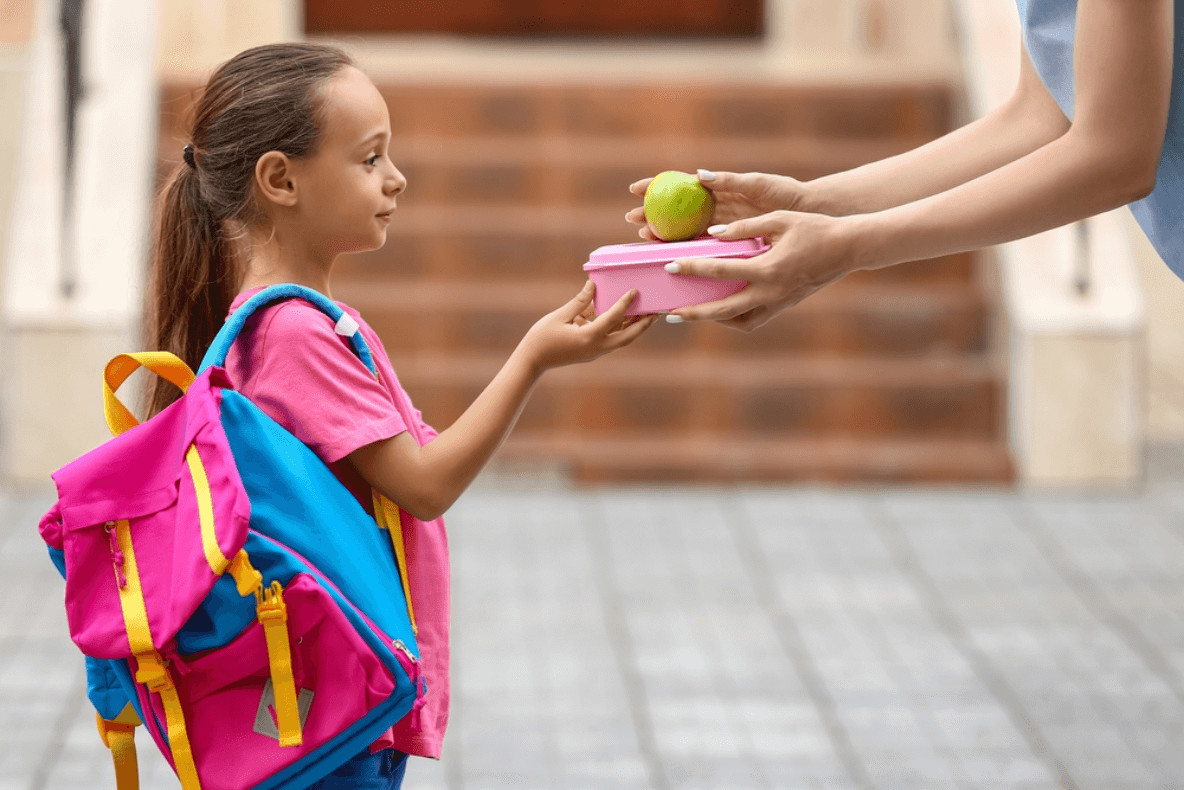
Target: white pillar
196	36
55	344
1076	359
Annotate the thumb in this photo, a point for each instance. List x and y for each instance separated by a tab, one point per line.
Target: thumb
579	302
746	184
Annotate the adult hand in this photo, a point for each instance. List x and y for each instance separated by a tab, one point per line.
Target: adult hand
808	252
737	196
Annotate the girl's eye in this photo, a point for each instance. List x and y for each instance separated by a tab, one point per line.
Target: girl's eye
372	161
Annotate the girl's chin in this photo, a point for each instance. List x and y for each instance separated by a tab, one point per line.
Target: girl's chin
377	241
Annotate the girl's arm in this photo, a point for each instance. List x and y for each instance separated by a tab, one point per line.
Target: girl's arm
425	481
1108	157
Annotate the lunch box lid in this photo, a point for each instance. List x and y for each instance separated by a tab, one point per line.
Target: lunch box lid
650	252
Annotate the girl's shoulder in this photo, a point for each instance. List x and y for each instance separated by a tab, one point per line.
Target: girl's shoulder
291	322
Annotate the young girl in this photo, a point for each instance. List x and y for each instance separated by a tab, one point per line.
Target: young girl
287	170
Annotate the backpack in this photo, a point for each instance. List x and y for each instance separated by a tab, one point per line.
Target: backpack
226	589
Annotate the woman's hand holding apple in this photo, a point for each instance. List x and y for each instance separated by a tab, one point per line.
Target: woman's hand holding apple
737	196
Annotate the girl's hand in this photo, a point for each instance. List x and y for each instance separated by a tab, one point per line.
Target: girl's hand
737	196
808	252
574	333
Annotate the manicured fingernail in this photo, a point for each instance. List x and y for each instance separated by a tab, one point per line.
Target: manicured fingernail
673	268
674	319
715	230
706	175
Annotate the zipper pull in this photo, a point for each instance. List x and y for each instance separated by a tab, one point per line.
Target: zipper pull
116	554
398	644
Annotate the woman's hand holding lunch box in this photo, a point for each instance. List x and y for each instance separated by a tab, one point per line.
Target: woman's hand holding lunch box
764	252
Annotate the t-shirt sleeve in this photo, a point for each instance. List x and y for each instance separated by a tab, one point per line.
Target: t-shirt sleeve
310	381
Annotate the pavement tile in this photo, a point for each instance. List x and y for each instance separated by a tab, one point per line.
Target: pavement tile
675	638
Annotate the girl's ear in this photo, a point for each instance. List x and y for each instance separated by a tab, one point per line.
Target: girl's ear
275	179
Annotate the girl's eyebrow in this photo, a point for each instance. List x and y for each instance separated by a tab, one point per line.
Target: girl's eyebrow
376	137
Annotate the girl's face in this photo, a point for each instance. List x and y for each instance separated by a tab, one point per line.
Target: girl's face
347	188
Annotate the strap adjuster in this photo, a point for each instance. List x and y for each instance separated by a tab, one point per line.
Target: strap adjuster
107	727
151	672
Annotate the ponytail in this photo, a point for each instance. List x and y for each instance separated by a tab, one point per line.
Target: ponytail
267	98
192	280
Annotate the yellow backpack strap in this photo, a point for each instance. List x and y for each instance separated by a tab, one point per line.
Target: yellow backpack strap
162	363
217	561
119	735
386	513
273	615
151	669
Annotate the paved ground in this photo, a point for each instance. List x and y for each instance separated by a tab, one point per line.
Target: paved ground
753	638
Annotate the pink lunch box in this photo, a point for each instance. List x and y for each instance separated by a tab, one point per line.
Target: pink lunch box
617	268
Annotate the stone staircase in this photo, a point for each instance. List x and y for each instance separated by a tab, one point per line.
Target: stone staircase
885	376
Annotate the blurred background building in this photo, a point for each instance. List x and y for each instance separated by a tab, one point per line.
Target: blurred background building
520	125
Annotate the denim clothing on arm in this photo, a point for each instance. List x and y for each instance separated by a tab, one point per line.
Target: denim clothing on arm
1049	27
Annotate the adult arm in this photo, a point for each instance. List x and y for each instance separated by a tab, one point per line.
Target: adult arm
1029	119
1106	158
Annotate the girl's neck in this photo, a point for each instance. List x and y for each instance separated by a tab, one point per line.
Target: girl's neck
269	262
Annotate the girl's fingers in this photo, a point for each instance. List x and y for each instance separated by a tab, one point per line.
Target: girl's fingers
633	331
636	216
579	303
612	316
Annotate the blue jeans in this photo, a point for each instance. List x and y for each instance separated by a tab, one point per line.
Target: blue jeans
366	771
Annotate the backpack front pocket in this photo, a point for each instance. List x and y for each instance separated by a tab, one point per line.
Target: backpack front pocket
230	699
168	536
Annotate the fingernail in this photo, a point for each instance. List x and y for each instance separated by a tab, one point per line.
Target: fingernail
706	175
673	268
716	230
671	318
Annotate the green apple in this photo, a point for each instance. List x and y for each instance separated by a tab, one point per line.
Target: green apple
677	206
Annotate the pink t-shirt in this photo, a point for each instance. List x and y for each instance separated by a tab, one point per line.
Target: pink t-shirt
289	361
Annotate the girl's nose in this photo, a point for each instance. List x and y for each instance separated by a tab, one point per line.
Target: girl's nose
396	182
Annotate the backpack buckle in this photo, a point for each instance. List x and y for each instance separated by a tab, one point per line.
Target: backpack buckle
152	673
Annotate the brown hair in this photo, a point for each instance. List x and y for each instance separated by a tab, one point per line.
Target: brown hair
268	98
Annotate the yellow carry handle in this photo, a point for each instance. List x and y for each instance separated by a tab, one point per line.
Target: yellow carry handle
168	366
119	735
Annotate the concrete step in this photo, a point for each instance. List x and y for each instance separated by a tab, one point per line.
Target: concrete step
940	396
595	171
456	242
867	320
886	375
715	110
756	126
712	459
